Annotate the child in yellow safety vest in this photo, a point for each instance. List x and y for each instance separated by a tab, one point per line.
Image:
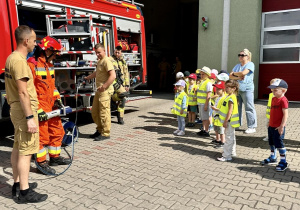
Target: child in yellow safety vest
180	107
213	98
269	108
192	95
203	100
218	126
229	117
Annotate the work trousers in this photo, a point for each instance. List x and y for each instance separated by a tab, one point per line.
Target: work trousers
120	97
101	112
51	134
230	142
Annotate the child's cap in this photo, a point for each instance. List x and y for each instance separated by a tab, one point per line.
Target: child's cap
186	73
212	76
198	71
223	77
180	83
278	83
215	71
193	76
223	71
206	70
179	75
220	85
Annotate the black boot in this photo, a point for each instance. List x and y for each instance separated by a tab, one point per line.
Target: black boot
59	161
95	134
120	119
46	168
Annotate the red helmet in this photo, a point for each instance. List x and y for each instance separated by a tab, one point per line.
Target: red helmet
50	43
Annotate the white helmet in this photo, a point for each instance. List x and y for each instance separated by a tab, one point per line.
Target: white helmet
179	75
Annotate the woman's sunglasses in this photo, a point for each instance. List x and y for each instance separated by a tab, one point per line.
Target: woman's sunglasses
242	55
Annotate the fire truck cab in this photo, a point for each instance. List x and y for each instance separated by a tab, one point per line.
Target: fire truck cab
79	25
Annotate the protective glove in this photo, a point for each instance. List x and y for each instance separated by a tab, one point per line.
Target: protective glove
58	103
42	115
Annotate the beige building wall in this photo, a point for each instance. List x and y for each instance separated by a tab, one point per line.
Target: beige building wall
244	32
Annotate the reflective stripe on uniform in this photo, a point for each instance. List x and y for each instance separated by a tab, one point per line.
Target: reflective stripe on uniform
54	150
121	109
178	110
41	153
40	71
55	93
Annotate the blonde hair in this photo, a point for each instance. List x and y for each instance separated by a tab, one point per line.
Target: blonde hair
273	80
247	52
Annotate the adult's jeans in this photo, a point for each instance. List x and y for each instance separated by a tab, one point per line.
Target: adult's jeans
247	97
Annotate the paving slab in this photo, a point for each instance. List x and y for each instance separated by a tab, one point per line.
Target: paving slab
144	166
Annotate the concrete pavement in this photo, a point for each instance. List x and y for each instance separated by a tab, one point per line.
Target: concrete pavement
144	166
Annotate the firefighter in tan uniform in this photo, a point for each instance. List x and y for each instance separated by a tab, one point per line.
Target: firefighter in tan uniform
105	75
22	98
121	83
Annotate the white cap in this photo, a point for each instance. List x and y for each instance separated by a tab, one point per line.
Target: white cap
179	75
215	71
223	77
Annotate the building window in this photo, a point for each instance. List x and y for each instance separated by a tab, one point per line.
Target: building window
280	37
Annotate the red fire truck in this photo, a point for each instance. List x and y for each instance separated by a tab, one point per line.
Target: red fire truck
79	25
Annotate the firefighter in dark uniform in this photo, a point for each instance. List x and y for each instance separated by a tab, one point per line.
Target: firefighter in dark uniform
121	83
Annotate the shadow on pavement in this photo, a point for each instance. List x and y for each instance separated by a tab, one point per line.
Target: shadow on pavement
269	172
211	154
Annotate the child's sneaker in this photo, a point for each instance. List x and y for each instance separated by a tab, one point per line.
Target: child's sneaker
250	130
205	134
266	138
281	166
215	141
175	132
219	145
198	121
269	161
223	159
200	132
188	124
180	133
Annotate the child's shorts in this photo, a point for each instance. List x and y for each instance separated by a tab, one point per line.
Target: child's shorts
274	137
204	114
192	108
219	129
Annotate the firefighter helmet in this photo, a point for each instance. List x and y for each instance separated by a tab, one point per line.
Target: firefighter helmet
50	43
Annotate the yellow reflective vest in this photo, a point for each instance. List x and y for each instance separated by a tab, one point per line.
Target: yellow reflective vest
202	92
217	121
192	95
187	85
177	105
234	119
269	105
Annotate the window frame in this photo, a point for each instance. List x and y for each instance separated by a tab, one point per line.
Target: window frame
277	28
